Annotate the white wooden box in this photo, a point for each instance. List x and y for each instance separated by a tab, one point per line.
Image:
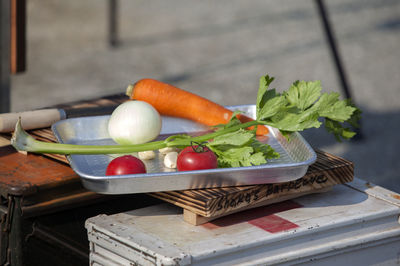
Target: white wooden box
353	224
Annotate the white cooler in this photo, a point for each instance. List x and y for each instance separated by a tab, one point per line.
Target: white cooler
353	224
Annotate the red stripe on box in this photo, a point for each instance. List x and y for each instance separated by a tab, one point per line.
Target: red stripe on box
265	218
273	223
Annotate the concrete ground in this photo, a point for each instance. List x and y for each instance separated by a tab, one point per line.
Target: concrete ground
220	49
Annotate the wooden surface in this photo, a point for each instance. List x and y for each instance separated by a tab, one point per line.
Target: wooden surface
27	174
203	205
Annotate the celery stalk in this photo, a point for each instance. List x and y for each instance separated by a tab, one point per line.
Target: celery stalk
22	141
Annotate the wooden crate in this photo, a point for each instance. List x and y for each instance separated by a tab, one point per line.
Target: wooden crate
203	205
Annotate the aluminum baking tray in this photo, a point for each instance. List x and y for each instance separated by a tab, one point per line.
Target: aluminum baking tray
295	157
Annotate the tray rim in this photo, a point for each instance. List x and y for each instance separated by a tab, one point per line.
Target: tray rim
95	178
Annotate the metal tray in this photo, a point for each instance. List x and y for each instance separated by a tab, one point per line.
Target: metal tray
295	157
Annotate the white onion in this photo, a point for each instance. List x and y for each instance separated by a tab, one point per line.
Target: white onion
134	122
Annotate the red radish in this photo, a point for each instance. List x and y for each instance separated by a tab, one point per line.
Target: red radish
125	165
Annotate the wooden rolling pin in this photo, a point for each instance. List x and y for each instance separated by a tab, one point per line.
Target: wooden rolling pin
46	117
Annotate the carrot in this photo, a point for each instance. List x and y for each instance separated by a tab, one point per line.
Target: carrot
172	101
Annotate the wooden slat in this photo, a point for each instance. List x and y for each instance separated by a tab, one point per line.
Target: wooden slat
327	171
4	140
196	219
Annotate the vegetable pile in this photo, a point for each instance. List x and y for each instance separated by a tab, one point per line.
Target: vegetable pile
301	107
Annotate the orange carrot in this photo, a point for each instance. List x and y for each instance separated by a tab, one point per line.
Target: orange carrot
172	101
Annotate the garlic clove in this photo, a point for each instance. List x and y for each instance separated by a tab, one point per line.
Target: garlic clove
170	159
166	150
146	155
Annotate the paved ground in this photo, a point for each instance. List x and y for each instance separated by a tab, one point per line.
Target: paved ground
219	49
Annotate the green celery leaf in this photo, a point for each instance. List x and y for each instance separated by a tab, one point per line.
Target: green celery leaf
303	94
239	156
355	117
237	138
265	149
338	130
295	121
273	103
234	157
331	107
255	159
303	106
262	89
241	148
